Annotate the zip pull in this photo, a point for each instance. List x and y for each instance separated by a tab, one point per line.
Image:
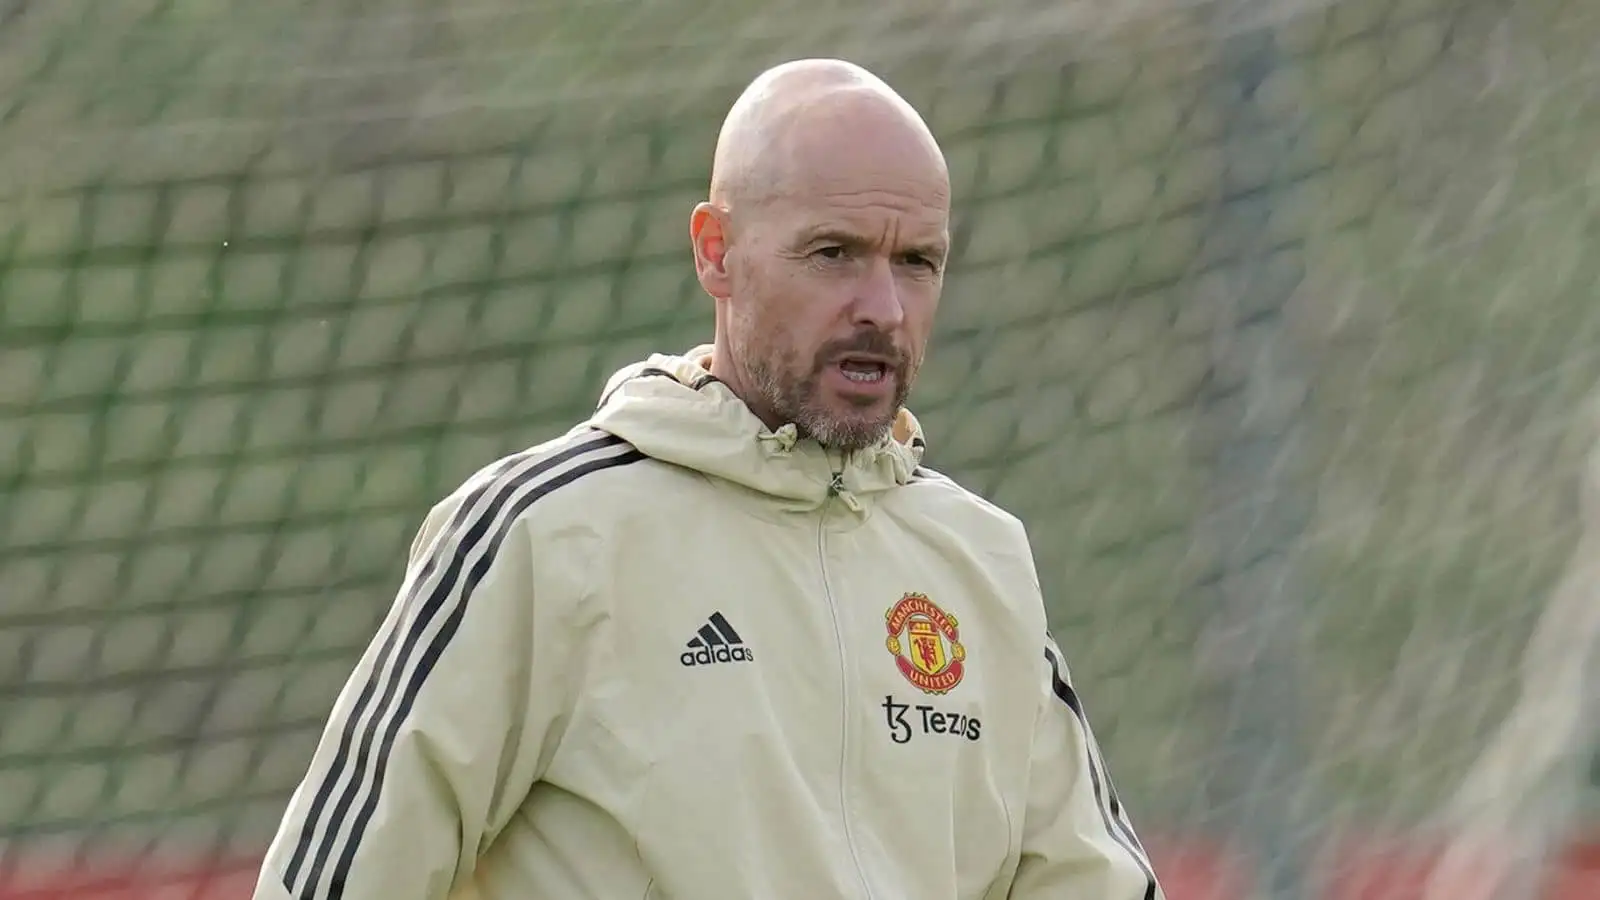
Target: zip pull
836	487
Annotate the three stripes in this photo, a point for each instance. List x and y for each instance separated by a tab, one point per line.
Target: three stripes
436	598
1112	815
716	632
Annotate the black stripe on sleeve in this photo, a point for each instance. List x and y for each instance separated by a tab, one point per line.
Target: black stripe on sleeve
1114	802
340	766
465	552
1101	783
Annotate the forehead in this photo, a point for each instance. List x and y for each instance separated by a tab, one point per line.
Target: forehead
874	215
874	197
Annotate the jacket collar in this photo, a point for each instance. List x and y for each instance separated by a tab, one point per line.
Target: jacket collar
673	409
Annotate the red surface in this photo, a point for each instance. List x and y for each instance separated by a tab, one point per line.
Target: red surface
1189	869
1396	870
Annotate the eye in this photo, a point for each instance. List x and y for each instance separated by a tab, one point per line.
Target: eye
832	251
921	261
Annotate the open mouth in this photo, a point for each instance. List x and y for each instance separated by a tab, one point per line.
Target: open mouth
863	370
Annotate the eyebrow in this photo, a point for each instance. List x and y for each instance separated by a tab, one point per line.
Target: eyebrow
935	250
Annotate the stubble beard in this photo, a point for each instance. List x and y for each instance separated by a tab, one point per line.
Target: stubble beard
792	394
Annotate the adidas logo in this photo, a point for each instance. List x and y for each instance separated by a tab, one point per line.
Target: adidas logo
716	642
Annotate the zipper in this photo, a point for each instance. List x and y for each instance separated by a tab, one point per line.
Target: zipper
836	489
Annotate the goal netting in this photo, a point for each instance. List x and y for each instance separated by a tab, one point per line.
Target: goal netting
1278	321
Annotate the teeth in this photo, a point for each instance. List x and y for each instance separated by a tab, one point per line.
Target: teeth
872	373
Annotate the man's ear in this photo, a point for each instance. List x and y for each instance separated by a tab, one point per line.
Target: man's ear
708	233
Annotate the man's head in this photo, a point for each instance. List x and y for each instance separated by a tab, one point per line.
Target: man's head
823	243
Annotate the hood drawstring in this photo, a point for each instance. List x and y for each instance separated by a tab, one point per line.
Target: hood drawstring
780	441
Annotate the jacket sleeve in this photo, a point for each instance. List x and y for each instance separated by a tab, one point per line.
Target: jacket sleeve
438	735
1077	840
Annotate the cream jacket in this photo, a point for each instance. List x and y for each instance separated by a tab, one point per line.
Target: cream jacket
674	655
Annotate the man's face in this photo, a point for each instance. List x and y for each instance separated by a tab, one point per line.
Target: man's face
832	300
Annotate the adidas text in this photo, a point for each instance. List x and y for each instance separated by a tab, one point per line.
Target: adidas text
706	656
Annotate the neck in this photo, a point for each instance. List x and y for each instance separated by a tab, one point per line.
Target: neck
723	368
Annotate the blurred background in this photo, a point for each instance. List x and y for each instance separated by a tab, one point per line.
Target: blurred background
1275	321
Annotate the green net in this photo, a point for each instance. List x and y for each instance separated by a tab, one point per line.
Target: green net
1275	322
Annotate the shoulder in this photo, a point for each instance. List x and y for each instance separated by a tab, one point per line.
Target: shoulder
537	487
939	495
987	535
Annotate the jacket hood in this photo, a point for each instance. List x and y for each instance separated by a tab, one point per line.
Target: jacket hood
672	408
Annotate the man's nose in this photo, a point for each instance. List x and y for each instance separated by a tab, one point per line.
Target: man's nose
878	297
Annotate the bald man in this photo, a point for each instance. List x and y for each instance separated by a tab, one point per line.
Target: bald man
728	639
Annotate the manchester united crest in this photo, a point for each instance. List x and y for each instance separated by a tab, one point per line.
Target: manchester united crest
926	644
